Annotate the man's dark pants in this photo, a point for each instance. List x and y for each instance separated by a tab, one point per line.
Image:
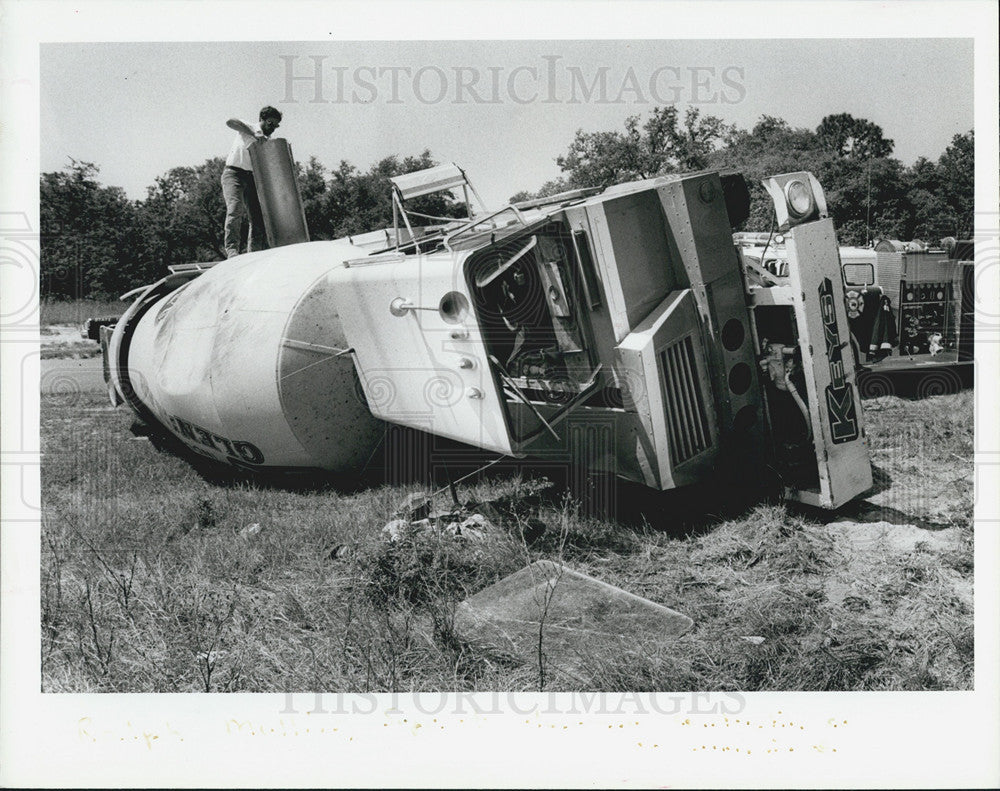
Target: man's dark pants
240	194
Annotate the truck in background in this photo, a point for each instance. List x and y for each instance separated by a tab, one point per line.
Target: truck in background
910	307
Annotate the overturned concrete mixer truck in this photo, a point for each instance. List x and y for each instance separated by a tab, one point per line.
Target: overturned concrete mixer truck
624	316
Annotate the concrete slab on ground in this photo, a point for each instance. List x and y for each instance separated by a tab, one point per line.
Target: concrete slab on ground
582	620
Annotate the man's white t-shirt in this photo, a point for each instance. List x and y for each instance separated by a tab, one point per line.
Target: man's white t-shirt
239	157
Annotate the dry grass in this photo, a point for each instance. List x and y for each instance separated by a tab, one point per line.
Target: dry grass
151	582
65	341
71	351
925	449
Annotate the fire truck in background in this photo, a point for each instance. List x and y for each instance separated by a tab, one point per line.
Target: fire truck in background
910	308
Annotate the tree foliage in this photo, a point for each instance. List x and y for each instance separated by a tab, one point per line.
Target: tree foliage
98	243
854	138
183	215
90	234
356	202
869	193
956	171
665	143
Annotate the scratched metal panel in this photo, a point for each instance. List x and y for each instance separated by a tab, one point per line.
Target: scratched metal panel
319	388
828	365
278	190
212	360
416	367
700	239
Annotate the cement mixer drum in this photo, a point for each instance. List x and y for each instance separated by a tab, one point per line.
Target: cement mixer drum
248	364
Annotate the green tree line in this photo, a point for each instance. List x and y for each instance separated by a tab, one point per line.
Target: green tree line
97	243
870	194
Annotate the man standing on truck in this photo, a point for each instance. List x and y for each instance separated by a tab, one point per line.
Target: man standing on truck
238	188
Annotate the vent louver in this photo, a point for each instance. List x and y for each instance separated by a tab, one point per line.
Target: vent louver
686	419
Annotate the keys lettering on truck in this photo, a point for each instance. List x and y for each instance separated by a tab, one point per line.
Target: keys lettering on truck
839	397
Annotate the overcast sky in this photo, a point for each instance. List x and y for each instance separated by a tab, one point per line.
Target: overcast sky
501	110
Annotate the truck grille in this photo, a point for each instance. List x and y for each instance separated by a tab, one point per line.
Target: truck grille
686	420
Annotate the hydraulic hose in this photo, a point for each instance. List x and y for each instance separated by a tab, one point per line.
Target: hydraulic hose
800	403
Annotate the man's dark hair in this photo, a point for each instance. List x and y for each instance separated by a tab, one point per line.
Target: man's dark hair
270	112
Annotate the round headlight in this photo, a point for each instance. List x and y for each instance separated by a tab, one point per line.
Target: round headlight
799	198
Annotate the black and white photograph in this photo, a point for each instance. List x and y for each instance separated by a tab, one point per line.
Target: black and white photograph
430	385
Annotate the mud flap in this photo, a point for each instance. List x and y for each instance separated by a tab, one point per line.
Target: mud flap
104	338
828	364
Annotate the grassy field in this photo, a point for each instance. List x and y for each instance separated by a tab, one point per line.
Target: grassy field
60	324
158	577
75	312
